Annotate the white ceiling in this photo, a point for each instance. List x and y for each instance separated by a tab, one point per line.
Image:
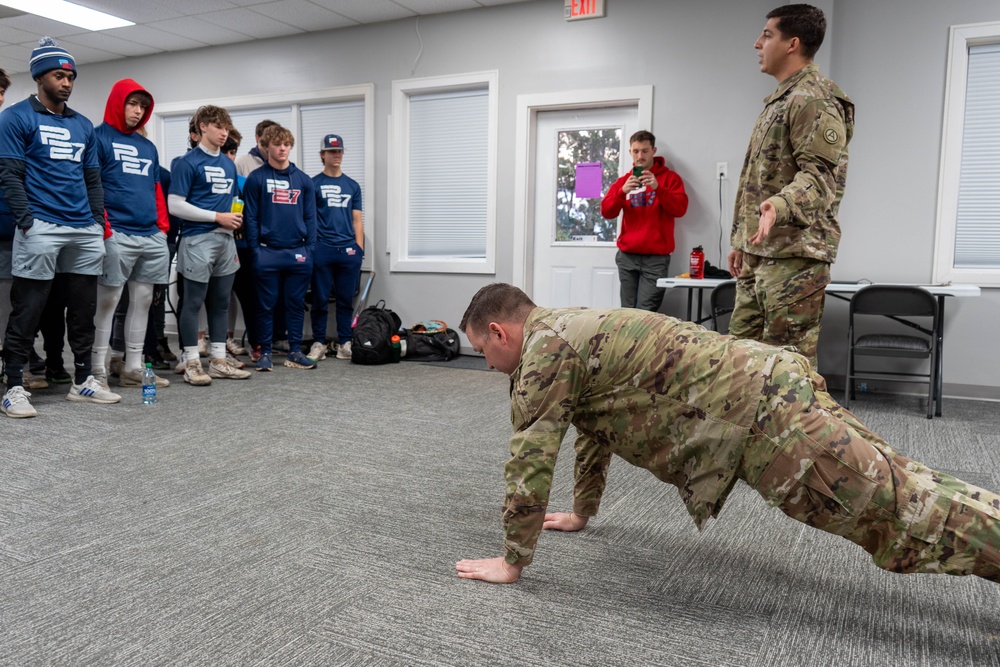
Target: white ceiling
177	25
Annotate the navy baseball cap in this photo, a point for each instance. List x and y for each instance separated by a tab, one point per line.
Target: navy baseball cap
332	142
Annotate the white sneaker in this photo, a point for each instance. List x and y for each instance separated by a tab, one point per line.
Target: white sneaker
15	404
117	366
195	374
102	380
317	352
221	368
181	367
203	347
344	351
279	346
234	348
134	379
91	391
233	361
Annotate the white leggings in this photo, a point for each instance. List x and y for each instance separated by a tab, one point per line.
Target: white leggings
140	296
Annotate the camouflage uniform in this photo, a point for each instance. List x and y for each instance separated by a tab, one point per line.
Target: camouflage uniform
797	161
699	411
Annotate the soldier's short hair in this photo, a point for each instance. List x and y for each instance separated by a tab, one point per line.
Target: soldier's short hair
497	302
276	134
641	136
4	81
209	114
803	21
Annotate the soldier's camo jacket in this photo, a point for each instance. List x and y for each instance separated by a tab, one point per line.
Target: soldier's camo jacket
797	160
663	394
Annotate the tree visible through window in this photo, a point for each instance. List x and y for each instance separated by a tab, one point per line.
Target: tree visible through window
580	219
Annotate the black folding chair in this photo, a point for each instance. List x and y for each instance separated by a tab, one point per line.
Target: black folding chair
723	301
895	302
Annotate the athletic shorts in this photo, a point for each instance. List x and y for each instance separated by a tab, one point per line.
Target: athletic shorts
47	249
144	259
205	256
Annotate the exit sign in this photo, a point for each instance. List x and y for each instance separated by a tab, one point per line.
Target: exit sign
576	10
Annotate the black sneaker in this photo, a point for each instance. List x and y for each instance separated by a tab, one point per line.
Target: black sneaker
157	362
35	363
163	349
58	376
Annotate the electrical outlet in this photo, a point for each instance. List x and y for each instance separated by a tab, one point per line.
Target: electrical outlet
721	171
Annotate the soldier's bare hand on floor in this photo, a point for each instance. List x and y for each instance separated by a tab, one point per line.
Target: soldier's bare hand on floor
565	521
493	570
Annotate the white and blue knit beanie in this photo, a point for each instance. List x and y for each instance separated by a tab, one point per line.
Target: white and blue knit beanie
49	56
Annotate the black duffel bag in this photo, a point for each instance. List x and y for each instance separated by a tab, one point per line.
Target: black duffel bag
432	345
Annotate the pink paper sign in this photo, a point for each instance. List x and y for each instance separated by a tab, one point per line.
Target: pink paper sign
588	180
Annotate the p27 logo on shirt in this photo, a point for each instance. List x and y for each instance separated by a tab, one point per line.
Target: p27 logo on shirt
129	158
58	141
216	176
333	197
281	193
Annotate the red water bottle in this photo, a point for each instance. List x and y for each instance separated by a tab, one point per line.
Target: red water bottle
697	263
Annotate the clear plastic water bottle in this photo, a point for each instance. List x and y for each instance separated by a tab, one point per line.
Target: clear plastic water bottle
148	385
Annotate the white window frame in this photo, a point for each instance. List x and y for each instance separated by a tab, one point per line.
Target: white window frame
398	176
295	100
961	38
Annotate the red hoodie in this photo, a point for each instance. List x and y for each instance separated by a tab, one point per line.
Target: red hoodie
114	115
648	223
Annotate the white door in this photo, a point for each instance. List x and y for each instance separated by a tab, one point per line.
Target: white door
574	247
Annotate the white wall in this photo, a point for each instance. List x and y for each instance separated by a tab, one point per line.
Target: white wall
889	56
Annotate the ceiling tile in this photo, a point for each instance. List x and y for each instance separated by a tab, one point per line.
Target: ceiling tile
164	41
137	11
367	11
251	23
39	26
303	14
109	43
438	6
202	31
13	35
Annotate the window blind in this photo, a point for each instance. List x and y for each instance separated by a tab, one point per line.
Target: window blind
448	174
977	231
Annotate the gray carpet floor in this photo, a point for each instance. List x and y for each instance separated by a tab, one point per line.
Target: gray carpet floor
314	517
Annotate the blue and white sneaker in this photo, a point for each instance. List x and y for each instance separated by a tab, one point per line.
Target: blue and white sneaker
296	359
264	362
15	404
91	391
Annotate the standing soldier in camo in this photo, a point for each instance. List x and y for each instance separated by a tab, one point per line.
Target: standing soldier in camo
785	228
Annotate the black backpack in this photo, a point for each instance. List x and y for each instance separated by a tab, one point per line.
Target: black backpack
371	341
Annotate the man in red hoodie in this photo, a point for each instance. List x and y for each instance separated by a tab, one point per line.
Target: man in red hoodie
651	201
136	240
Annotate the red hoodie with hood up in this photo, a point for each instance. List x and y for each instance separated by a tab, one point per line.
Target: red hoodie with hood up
114	116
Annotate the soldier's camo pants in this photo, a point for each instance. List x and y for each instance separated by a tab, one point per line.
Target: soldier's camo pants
780	302
816	462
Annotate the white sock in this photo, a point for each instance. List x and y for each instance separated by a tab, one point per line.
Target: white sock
191	353
218	350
